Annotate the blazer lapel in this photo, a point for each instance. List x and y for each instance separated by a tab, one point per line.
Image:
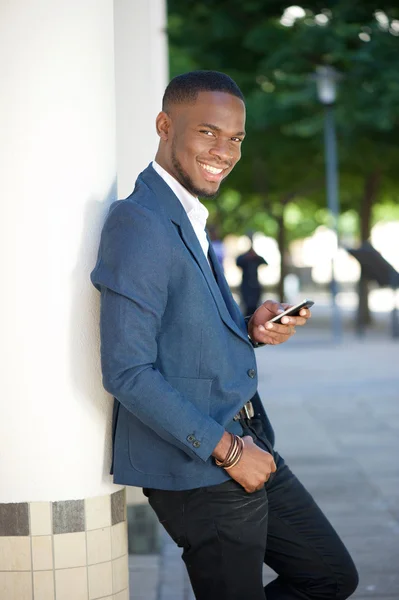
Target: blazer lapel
169	203
191	241
224	288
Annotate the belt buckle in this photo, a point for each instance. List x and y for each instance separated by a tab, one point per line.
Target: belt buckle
248	410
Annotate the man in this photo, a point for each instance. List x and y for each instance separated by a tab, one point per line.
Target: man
250	288
189	426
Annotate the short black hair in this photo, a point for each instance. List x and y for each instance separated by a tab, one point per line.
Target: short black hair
186	87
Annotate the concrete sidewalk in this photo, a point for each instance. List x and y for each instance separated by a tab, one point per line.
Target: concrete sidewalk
335	410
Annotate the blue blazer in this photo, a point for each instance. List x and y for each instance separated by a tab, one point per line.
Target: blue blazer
175	352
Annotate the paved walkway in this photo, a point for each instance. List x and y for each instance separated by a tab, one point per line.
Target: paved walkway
335	410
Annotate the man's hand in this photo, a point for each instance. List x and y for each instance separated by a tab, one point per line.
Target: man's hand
262	332
254	467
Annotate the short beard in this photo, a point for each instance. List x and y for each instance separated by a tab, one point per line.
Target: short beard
186	180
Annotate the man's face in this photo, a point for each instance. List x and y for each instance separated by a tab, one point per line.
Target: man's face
203	140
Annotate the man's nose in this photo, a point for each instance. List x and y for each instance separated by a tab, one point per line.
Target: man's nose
222	150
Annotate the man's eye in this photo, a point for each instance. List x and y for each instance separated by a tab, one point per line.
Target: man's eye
236	139
206	131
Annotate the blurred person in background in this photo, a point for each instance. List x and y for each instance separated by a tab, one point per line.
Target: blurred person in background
217	243
250	287
178	356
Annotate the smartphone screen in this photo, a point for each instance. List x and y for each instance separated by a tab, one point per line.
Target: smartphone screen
293	311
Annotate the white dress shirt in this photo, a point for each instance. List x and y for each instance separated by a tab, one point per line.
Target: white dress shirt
196	212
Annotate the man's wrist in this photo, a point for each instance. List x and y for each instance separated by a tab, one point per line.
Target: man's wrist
254	344
223	446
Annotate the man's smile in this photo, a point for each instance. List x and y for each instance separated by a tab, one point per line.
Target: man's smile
211	173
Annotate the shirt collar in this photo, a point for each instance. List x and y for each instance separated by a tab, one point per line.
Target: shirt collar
191	204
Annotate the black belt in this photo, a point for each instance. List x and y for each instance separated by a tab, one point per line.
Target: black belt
247	412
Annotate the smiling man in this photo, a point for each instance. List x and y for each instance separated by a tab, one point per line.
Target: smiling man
178	357
200	139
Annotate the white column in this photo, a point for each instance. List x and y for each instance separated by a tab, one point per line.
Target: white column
57	178
141	75
58	170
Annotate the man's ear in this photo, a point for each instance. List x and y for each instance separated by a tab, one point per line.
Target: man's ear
163	124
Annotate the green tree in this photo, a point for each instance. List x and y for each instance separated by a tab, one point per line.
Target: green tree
271	52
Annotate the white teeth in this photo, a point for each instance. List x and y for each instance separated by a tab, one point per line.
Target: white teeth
211	169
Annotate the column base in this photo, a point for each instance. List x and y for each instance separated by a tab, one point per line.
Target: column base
65	549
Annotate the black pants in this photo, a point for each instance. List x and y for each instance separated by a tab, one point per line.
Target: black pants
226	535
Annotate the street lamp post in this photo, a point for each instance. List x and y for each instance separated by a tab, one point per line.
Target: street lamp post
326	81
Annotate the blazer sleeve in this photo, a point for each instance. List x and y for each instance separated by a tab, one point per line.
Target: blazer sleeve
132	273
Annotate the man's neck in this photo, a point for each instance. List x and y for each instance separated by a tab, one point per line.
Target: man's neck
163	163
164	167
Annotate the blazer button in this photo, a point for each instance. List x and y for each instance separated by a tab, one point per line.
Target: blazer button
251	373
190	438
196	444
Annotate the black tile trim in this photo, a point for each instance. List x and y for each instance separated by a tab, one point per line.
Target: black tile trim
118	507
69	516
14	519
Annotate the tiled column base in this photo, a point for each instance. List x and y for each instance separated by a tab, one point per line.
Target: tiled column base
69	550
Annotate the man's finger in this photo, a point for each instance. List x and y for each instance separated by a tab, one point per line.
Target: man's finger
300	321
269	336
271	341
293	321
304	312
277	328
273	306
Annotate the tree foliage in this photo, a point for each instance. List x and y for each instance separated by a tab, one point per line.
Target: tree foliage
272	55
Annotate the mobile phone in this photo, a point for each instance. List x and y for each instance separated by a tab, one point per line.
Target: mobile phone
293	311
